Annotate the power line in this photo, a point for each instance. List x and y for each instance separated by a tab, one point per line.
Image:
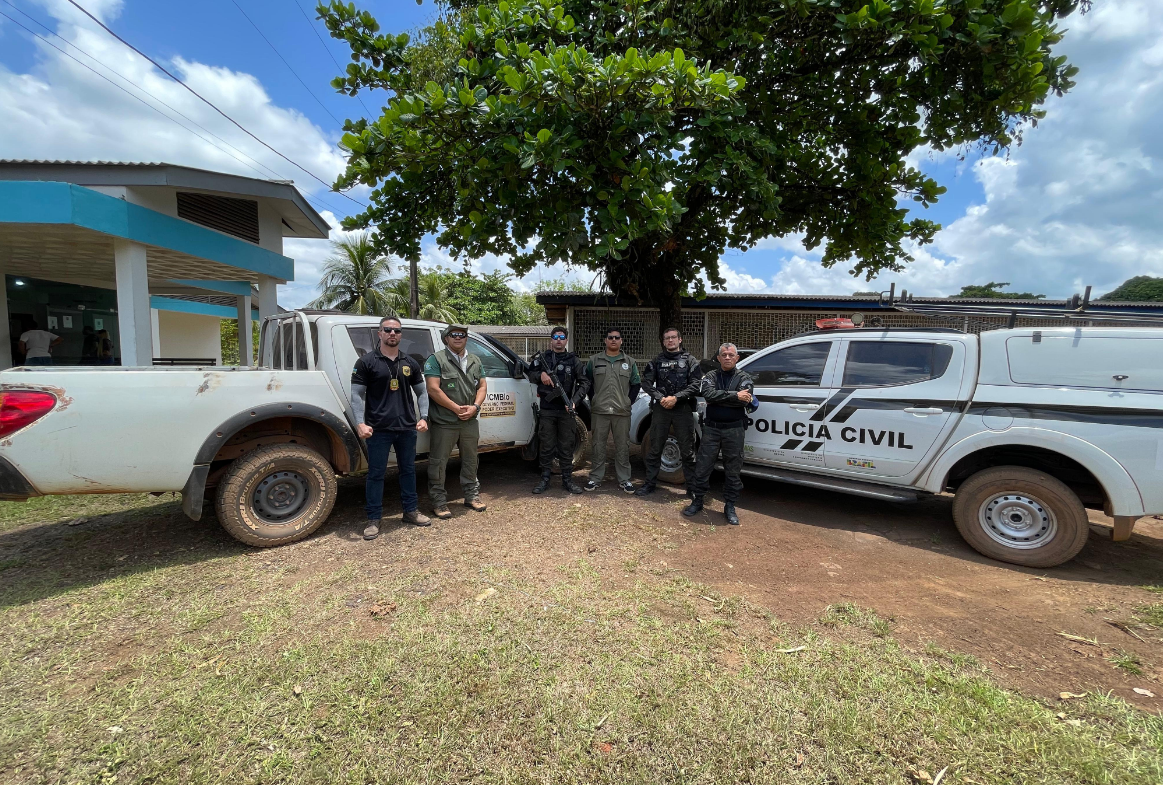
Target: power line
269	172
288	65
212	106
327	49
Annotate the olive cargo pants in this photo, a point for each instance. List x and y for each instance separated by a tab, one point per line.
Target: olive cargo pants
443	438
603	425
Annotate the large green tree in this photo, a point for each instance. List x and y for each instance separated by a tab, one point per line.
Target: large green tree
993	291
355	277
642	138
1140	289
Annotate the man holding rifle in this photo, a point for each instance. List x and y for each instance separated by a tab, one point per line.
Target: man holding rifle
561	383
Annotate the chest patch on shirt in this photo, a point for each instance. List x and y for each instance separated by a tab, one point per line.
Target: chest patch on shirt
625	366
406	370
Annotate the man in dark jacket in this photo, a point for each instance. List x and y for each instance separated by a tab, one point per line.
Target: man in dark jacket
729	393
555	428
672	382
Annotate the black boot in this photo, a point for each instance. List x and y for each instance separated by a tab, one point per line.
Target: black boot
729	512
646	489
568	483
695	507
542	486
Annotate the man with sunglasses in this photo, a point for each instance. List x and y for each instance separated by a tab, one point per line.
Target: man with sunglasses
614	384
382	384
457	388
555	428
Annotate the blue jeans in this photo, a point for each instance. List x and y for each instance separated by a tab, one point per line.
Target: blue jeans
378	447
39	361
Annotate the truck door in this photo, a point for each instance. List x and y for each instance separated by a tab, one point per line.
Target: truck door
792	388
899	398
506	417
349	342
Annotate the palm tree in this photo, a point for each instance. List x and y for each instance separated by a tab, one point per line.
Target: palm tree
433	292
355	278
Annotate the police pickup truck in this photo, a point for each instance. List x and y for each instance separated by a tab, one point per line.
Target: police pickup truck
1026	427
262	445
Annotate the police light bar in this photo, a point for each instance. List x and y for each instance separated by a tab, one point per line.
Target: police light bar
833	324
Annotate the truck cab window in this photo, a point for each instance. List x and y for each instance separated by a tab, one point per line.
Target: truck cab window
416	341
492	364
891	363
801	365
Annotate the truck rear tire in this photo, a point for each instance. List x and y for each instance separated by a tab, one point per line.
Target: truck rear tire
670	469
276	494
1021	516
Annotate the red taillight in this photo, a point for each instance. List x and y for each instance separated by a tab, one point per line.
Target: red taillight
21	407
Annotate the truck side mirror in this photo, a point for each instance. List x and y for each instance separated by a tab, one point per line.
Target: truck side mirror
519	368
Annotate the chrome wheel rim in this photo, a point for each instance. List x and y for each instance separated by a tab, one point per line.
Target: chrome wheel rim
280	496
671	456
1016	520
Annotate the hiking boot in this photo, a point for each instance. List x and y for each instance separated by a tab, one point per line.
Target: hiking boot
416	519
646	489
694	508
731	515
542	486
627	486
442	512
476	504
571	486
592	485
372	530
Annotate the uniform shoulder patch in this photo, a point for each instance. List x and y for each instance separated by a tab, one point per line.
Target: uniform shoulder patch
406	370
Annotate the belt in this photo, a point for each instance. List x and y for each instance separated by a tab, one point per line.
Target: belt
726	426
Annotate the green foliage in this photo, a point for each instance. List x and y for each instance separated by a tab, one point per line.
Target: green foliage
642	139
228	332
1140	289
433	293
355	277
992	290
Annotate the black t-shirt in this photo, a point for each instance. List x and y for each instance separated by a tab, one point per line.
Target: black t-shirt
388	409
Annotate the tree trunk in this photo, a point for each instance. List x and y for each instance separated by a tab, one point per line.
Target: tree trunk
413	290
665	293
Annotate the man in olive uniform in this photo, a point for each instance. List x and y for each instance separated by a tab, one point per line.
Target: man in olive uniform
456	390
614	384
672	382
555	429
729	393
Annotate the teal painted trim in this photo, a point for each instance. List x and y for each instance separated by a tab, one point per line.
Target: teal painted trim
241	288
63	203
161	303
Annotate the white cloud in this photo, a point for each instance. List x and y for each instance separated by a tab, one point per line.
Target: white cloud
1076	204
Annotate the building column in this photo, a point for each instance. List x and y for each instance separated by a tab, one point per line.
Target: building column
245	342
268	304
155	329
5	336
133	312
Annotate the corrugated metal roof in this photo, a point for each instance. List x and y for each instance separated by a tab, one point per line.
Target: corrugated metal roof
722	298
511	329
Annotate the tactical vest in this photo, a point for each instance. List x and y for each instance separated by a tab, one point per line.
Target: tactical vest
460	386
612	384
672	376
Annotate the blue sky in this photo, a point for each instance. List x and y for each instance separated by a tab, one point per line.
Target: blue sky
1076	204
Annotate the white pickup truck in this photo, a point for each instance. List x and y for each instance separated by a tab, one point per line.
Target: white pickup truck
1027	427
268	441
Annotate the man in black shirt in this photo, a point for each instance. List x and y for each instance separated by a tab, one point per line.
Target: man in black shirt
729	393
672	382
382	384
555	429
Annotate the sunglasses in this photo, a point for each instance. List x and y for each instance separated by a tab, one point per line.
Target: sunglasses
391	330
558	337
458	335
613	337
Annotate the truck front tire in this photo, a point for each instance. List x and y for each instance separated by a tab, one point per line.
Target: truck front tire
670	468
1021	516
276	494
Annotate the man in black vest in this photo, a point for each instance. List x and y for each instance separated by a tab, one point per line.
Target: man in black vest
555	429
672	382
729	393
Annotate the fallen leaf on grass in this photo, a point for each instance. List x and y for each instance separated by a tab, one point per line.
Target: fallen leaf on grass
1062	716
940	776
484	595
297	689
1068	695
920	775
792	650
1144	692
115	729
605	747
77	522
799	759
382	609
210	661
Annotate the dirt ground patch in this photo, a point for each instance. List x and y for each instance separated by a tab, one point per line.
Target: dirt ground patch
797	552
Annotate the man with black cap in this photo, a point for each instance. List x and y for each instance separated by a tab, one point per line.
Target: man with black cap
555	429
672	381
456	390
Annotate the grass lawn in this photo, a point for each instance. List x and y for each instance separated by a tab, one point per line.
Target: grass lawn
301	666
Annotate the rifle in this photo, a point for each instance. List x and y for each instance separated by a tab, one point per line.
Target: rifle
557	388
